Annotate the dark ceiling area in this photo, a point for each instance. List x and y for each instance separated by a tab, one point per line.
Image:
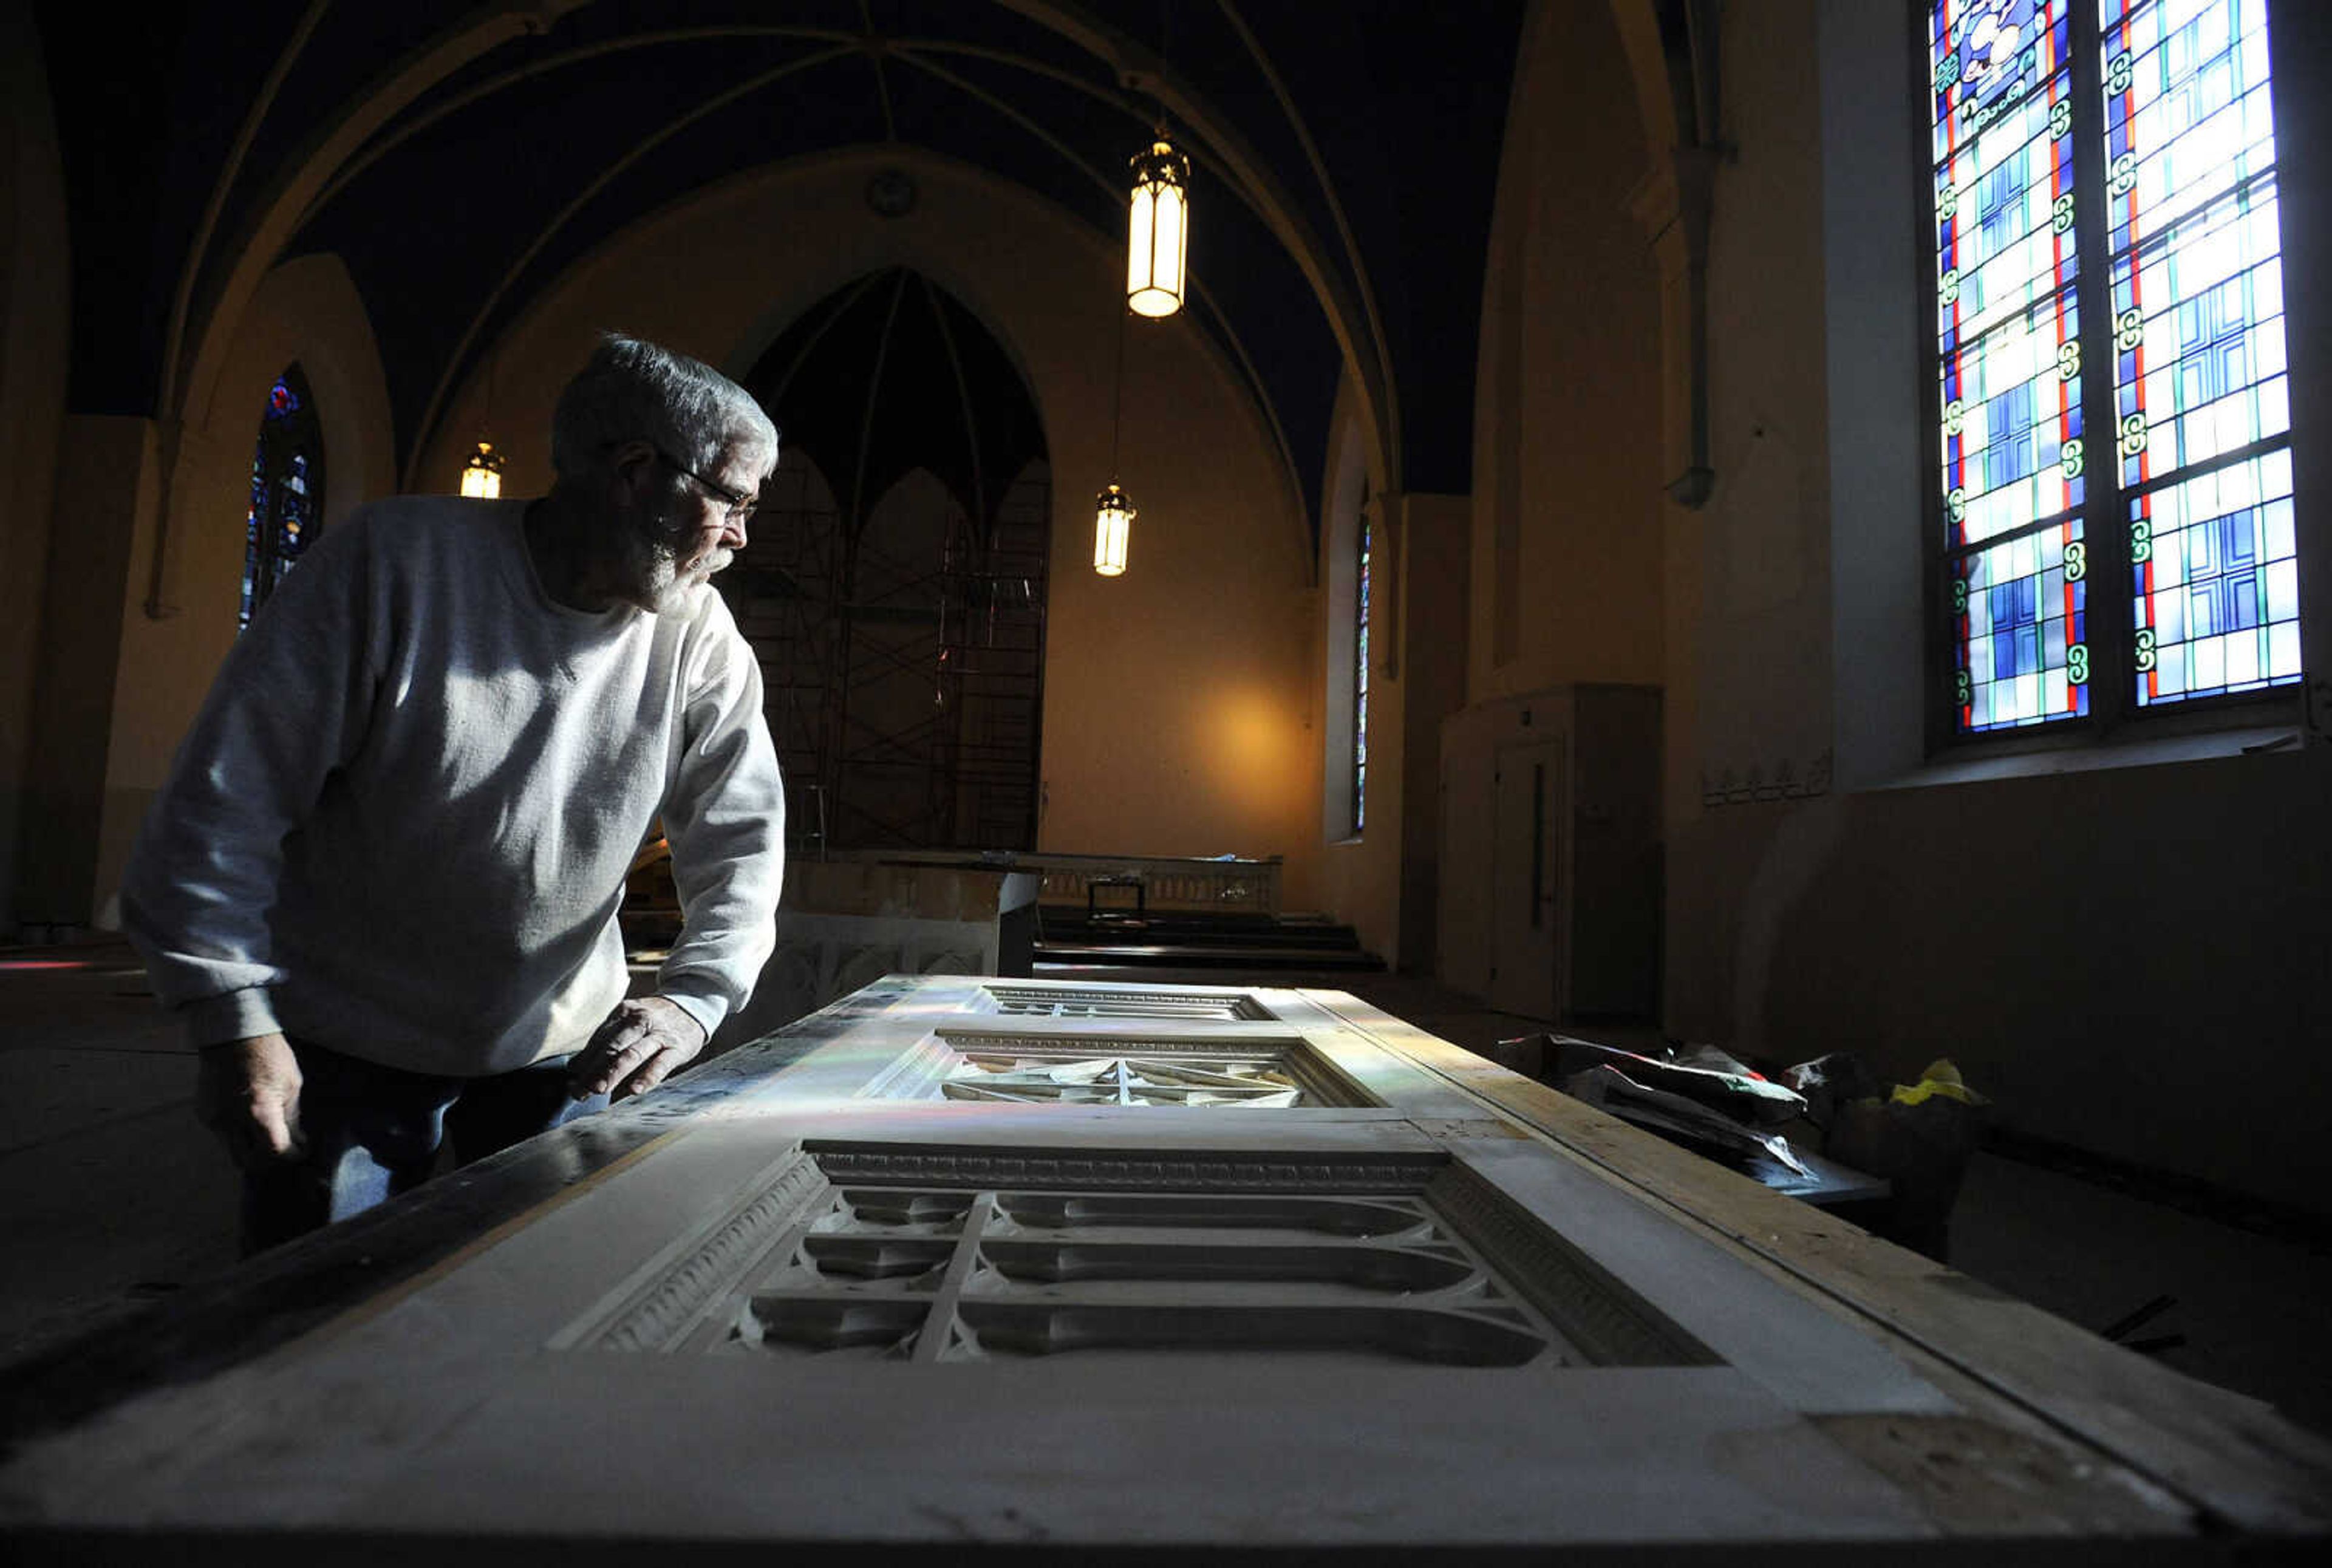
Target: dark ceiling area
1344	159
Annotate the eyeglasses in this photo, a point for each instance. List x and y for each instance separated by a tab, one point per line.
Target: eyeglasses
741	504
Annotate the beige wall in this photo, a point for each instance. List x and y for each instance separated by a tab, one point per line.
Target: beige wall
1566	547
1552	573
107	489
306	310
1177	696
1748	688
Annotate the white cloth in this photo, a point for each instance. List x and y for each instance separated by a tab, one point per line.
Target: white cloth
401	824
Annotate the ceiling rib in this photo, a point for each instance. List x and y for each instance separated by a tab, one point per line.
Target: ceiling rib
229	173
1130	106
875	46
855	523
454	360
963	396
396	136
1391	437
817	333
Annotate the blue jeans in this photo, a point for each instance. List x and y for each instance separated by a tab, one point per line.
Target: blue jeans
374	1131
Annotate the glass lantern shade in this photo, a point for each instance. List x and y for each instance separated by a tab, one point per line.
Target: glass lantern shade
1112	525
1158	232
482	476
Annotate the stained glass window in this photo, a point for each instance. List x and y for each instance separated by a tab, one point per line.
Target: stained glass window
287	490
1361	677
2198	312
2009	329
2138	130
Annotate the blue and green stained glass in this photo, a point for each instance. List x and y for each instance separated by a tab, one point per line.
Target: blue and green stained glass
2197	269
2015	464
2195	463
286	491
2217	582
1361	682
2020	615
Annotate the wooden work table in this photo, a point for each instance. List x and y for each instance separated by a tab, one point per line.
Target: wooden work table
962	1264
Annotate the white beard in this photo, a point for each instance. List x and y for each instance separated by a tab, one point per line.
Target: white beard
654	579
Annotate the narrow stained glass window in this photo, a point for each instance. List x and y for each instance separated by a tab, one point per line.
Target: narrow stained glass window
1361	678
2008	333
2201	390
287	490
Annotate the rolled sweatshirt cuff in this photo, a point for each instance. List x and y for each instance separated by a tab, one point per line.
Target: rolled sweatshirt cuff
230	1016
706	1007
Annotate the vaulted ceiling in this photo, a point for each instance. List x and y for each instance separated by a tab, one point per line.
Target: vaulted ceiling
458	156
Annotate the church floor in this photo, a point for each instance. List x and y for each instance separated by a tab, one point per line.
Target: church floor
113	1196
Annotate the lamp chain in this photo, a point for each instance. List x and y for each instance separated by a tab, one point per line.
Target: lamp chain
1117	395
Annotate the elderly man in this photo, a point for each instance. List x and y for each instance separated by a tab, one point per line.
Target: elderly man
381	884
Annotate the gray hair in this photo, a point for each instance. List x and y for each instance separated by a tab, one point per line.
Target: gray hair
633	390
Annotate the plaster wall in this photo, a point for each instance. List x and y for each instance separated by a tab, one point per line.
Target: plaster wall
306	310
106	490
1566	546
35	313
1178	696
1435	557
1749	714
1550	573
2125	945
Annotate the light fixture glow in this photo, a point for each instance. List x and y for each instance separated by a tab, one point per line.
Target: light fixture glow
482	476
1158	230
1112	525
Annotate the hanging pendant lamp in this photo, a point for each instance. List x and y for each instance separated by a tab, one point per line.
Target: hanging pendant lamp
482	476
1113	508
1158	229
1112	527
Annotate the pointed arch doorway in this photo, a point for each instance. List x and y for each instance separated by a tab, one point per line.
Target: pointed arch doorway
894	587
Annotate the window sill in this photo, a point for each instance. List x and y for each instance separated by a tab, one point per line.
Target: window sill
2257	736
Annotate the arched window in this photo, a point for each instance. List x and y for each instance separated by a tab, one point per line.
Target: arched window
1349	552
1361	573
2111	397
896	589
287	488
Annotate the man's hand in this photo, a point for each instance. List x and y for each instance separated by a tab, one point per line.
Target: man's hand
639	1045
248	1092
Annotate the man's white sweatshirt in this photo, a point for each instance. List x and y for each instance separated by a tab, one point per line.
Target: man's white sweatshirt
400	827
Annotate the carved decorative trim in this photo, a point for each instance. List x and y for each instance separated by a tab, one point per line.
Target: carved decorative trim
658	1315
1070	1001
728	1265
923	1071
1205	1171
912	1076
1070	1042
1606	1320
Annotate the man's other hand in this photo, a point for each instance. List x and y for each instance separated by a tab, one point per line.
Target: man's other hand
639	1045
248	1092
